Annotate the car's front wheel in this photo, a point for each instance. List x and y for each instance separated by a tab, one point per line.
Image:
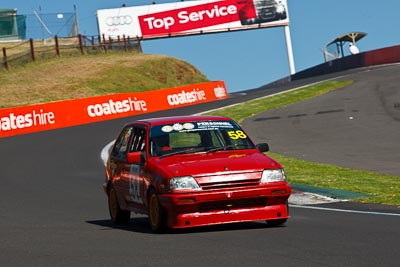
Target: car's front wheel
156	213
117	215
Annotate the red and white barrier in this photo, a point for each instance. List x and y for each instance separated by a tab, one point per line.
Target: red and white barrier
35	118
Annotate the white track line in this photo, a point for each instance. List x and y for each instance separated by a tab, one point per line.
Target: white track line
105	152
347	211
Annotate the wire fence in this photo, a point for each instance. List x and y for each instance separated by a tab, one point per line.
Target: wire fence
44	26
16	54
37	26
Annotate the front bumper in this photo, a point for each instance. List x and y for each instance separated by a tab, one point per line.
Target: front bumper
228	206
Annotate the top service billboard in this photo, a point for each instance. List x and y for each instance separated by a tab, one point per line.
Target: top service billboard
191	17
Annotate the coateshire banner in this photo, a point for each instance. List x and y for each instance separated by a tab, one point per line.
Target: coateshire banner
35	118
191	17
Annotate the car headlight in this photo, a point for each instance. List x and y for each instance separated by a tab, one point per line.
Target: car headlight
269	176
183	183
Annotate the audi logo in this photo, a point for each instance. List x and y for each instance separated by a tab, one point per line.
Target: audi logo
119	20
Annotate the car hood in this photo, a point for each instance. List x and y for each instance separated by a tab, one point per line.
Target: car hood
213	163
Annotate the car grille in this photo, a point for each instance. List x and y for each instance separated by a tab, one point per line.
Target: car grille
232	204
229	181
232	184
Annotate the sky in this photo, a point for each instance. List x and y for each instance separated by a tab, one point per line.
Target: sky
249	59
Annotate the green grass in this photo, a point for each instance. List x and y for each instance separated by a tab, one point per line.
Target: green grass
251	108
124	79
71	77
382	189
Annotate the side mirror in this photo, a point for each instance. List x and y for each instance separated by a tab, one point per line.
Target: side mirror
135	157
263	147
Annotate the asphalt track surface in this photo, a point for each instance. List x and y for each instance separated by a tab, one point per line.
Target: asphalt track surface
53	211
356	127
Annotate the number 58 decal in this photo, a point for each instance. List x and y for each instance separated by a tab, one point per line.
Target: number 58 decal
237	134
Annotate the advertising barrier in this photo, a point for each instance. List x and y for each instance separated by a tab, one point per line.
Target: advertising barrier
191	17
35	118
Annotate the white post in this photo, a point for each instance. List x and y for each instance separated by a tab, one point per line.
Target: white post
289	50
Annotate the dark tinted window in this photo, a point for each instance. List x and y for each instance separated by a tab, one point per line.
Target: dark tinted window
121	145
205	135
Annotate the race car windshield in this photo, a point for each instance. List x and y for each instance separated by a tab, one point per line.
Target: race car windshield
197	137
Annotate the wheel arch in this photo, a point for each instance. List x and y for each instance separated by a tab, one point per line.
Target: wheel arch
149	189
108	184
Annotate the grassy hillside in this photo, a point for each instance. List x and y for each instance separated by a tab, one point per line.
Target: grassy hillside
90	75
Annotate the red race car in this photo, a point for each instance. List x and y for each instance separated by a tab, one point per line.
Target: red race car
192	171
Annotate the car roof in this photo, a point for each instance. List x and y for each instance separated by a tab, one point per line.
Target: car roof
177	119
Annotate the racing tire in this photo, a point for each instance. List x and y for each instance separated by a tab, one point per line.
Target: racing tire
118	216
157	219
